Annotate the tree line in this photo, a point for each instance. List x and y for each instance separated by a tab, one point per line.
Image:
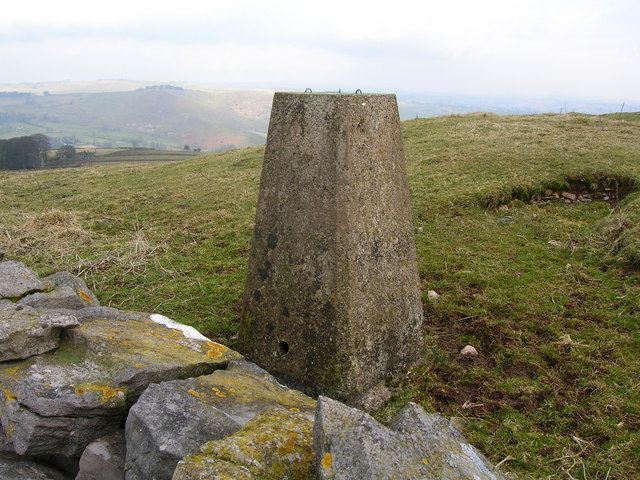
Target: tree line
32	152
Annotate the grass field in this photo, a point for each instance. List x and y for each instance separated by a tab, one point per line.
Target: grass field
546	288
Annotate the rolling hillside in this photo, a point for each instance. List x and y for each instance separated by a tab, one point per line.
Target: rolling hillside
156	117
526	227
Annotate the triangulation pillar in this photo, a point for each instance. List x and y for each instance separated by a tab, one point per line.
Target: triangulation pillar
332	300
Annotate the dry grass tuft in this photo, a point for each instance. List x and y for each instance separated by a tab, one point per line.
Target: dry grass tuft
54	223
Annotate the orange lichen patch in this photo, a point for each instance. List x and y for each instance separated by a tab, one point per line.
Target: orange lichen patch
177	330
294	410
85	296
289	444
425	461
216	351
9	396
218	393
107	392
231	389
327	460
139	365
196	393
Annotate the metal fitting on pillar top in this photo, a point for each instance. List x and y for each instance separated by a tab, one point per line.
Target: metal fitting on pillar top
308	90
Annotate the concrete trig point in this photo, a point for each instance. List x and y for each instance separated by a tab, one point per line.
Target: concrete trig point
332	299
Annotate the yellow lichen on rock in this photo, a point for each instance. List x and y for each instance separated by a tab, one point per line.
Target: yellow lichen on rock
216	349
218	393
107	392
261	449
195	393
327	460
85	296
9	396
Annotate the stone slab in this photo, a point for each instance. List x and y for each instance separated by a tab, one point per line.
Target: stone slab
25	331
16	280
275	445
59	402
351	444
104	459
172	419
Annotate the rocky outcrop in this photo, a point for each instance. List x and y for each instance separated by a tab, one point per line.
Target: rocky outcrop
352	445
276	444
171	419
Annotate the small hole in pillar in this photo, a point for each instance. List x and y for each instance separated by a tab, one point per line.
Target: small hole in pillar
284	347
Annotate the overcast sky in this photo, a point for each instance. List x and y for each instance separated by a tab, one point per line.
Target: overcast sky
561	48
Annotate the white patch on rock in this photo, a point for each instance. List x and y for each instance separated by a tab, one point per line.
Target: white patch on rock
187	331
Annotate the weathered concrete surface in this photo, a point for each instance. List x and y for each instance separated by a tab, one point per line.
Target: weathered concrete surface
25	331
59	402
172	419
104	459
332	300
352	445
275	445
16	280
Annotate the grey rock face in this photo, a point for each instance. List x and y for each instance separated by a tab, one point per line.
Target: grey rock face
59	402
103	459
63	290
172	419
275	445
352	445
25	332
16	280
13	467
332	300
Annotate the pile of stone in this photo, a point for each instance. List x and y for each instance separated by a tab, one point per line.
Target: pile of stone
94	393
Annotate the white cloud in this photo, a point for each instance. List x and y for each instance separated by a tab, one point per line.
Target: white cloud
542	47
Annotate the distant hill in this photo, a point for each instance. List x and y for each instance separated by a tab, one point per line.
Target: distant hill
127	113
156	116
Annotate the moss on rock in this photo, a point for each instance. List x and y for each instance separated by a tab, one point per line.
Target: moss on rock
276	444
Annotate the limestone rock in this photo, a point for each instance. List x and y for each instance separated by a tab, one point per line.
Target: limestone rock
59	402
64	290
352	445
173	418
6	305
276	444
25	332
104	459
13	467
16	280
433	295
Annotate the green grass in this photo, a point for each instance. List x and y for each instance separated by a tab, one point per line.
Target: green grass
547	291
